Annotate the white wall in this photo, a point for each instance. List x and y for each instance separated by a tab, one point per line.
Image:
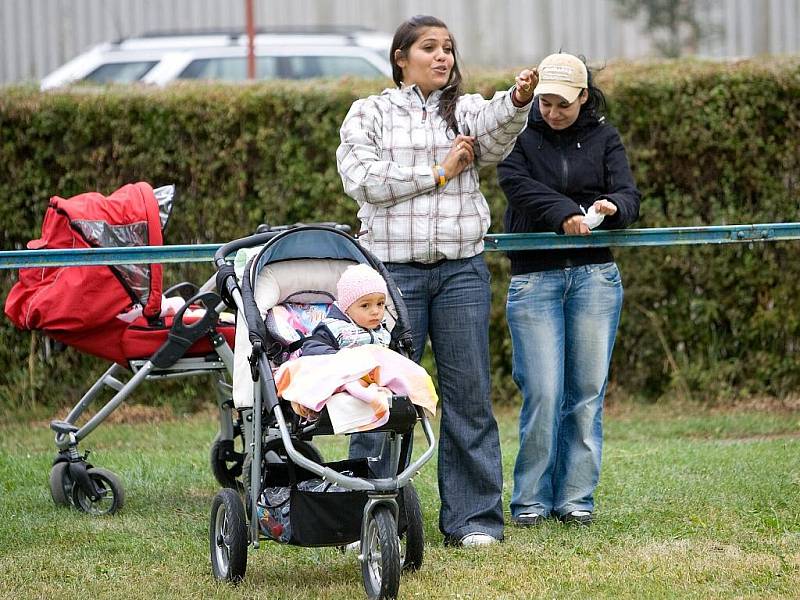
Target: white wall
36	36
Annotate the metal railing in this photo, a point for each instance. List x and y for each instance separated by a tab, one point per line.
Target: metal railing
657	236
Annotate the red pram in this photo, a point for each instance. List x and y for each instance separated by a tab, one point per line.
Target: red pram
118	313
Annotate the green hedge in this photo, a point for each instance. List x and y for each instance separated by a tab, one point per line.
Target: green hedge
710	143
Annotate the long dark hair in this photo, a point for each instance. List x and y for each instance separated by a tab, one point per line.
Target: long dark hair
595	105
404	38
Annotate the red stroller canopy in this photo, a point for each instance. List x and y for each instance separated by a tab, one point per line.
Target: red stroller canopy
79	305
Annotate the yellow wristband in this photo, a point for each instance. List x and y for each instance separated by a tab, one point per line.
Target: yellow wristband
442	179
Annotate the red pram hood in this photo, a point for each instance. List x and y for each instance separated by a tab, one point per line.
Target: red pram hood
79	305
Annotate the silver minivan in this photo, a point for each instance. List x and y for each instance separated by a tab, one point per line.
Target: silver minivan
159	59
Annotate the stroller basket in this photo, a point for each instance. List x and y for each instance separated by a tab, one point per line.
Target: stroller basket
313	512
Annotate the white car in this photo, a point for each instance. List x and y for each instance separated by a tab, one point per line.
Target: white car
161	59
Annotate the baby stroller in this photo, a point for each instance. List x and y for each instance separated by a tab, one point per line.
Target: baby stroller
125	322
297	269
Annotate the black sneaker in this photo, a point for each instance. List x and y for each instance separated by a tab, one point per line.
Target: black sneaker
582	518
529	519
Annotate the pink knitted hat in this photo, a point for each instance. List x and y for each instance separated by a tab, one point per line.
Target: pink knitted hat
357	281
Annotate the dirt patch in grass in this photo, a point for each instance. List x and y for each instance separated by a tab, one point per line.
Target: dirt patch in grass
134	414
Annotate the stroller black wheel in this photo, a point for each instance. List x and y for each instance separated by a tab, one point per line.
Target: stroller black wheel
228	537
380	565
412	541
225	471
61	484
111	498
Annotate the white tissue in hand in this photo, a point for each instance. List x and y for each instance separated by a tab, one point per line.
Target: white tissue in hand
593	218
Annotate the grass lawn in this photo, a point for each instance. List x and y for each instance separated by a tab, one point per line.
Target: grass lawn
692	503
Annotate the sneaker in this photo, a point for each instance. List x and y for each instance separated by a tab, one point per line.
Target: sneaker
477	539
352	547
583	518
528	519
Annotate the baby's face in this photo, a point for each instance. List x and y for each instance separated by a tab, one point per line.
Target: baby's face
368	310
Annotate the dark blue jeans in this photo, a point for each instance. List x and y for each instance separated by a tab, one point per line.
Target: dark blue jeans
450	303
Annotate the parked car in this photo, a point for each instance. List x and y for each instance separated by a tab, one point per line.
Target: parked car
280	54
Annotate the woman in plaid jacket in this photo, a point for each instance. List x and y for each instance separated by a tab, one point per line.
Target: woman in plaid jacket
410	158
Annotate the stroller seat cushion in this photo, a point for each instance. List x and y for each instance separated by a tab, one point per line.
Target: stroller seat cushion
307	281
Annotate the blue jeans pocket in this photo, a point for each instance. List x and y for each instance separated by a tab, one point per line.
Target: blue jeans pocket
523	284
608	273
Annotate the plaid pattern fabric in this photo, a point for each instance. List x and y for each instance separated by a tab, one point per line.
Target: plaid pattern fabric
389	144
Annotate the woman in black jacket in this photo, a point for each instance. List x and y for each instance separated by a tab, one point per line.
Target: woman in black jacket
568	173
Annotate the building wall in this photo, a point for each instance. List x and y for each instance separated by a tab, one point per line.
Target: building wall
36	36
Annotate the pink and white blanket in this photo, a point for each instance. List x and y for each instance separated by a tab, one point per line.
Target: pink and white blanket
355	384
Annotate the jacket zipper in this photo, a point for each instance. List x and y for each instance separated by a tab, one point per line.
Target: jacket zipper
564	170
430	220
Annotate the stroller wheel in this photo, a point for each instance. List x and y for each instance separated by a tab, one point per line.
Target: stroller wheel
112	495
380	565
412	541
61	484
226	465
228	537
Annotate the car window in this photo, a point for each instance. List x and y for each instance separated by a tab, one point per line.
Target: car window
230	68
302	67
122	72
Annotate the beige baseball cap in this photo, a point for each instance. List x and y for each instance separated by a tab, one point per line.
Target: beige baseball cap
562	74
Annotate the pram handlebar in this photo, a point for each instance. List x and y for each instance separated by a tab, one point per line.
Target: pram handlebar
266	227
181	335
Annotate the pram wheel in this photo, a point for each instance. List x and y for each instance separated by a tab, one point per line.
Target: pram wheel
111	498
228	537
61	484
412	542
226	465
380	566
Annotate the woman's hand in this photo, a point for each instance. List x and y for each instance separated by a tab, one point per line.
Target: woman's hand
605	207
526	83
460	156
574	225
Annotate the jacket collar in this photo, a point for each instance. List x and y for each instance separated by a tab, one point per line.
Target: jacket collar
410	95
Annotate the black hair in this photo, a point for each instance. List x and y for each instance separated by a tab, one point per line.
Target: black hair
407	33
596	103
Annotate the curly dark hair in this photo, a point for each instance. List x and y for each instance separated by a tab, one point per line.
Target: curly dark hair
405	36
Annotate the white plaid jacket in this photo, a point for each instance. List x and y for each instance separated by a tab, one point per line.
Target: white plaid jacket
389	144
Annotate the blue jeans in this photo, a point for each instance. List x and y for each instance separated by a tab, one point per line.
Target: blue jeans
563	324
450	303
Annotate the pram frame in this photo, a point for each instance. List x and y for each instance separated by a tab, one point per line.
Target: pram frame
166	363
380	491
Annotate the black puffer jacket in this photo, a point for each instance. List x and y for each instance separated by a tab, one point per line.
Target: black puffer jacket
550	174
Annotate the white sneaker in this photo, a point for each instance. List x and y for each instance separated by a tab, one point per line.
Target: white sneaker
352	547
477	539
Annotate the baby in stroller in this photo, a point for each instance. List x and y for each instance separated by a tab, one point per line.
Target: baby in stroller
357	316
320	271
353	336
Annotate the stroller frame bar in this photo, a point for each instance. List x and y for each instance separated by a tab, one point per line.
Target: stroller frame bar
142	371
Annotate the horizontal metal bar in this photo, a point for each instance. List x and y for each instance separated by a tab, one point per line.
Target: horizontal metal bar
16	259
657	236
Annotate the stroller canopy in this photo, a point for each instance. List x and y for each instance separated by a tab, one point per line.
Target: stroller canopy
70	302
